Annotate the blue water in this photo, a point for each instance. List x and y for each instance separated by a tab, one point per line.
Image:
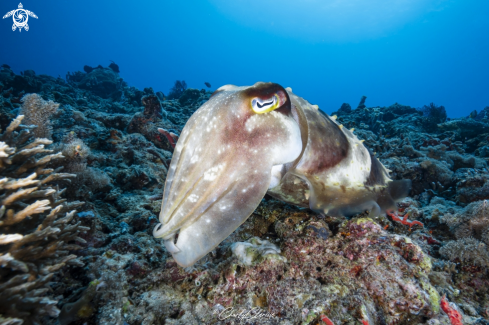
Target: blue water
409	51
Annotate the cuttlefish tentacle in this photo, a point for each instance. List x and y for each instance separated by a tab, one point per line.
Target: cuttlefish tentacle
248	141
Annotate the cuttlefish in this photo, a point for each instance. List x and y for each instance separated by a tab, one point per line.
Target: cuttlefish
245	142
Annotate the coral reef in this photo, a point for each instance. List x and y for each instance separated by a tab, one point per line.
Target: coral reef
284	265
38	228
471	228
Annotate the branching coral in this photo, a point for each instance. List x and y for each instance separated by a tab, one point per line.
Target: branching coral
37	233
177	90
433	115
38	112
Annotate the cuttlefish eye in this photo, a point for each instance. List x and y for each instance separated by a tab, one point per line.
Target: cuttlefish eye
260	105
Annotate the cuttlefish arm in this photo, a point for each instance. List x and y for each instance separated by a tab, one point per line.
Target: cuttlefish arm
230	152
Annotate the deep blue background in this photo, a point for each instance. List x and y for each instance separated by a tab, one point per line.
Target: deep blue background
408	51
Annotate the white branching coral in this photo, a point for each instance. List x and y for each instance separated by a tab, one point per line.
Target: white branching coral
37	228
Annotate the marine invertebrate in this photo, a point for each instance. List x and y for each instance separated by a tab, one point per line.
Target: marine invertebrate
147	123
325	319
472	221
433	115
331	269
37	111
80	308
189	96
404	220
471	228
75	154
255	251
264	139
453	314
170	136
36	233
114	67
103	82
361	105
177	90
466	250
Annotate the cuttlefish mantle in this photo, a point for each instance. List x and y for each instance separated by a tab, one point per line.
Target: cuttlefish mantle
246	142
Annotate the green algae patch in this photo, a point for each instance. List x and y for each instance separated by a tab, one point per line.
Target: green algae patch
336	289
426	264
360	221
81	308
301	299
311	316
434	296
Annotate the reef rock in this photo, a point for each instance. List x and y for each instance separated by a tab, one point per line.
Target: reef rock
102	82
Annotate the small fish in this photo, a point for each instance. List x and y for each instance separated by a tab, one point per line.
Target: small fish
245	142
207	84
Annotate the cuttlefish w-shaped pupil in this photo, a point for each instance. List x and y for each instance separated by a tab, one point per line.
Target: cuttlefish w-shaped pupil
260	105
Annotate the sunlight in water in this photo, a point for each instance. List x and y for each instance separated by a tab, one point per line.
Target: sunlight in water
328	20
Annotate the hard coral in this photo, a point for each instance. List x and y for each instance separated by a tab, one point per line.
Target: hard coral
473	221
177	90
38	112
35	237
146	123
433	115
471	228
466	250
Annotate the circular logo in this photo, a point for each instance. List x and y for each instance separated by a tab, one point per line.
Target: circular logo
20	17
